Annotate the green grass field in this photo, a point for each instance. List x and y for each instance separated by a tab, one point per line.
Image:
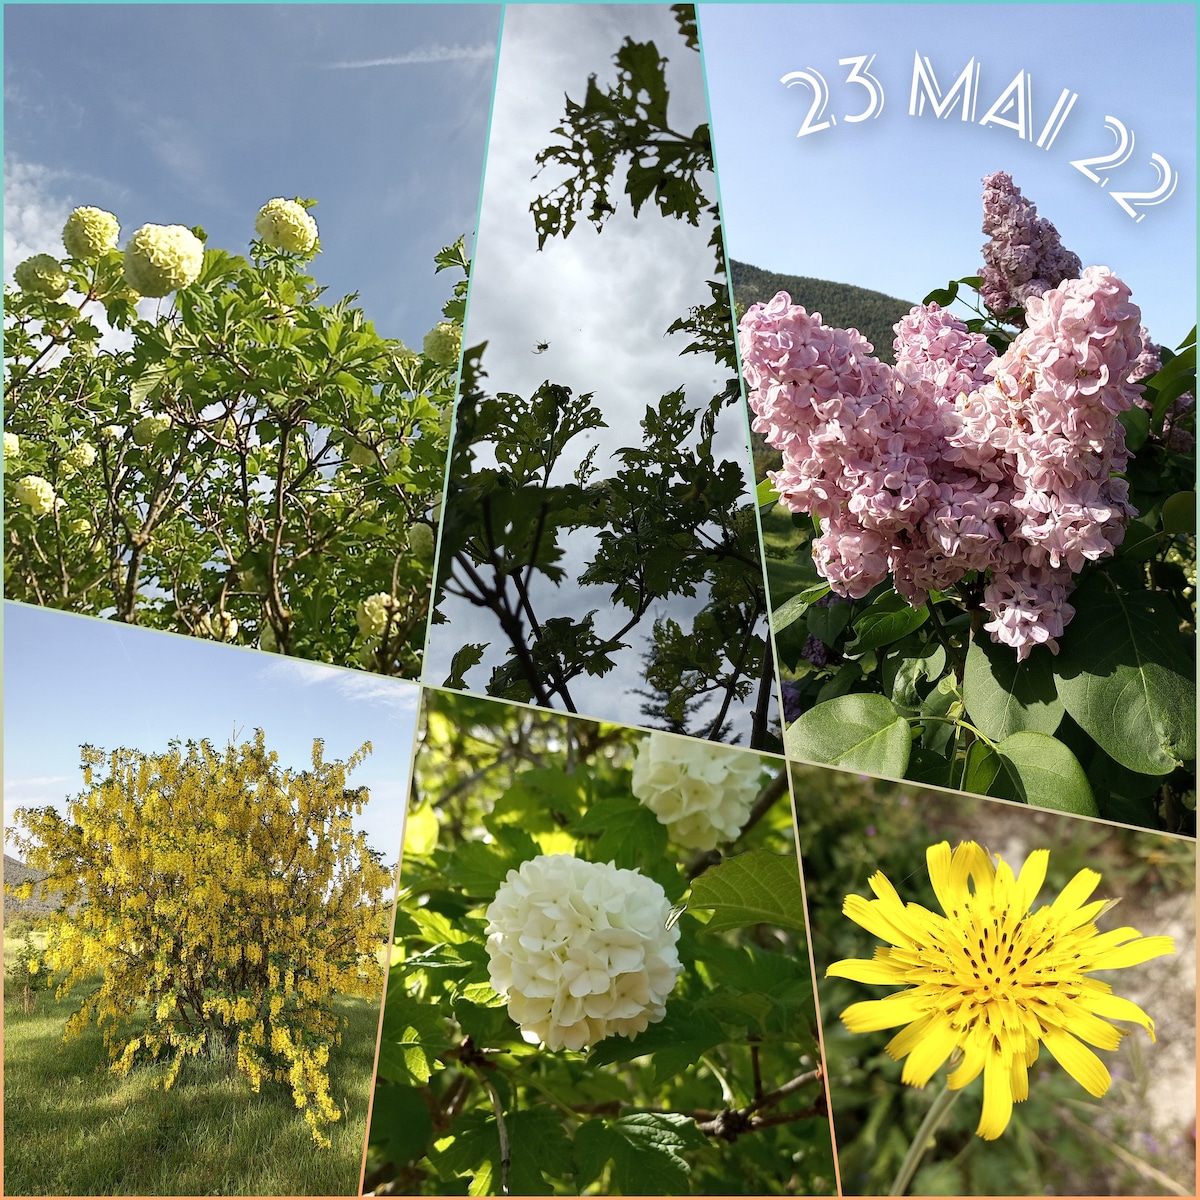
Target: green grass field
73	1128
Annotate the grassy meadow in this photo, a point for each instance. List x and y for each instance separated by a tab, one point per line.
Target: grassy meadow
71	1127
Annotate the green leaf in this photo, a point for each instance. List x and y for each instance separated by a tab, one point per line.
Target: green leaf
676	1042
1005	696
413	1035
141	387
481	867
827	623
753	888
888	619
400	1123
795	607
1041	770
982	766
856	732
537	1143
1179	513
464	659
630	834
1125	675
644	1148
765	495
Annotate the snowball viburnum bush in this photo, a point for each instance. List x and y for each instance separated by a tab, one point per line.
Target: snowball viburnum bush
286	225
42	275
160	259
90	233
37	494
81	456
581	950
701	792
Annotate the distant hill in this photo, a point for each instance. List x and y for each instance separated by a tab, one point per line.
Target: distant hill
840	304
16	872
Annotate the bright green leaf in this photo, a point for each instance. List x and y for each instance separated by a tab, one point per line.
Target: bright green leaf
750	889
856	732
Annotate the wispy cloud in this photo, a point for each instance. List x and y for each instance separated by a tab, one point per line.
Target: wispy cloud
430	54
350	685
36	781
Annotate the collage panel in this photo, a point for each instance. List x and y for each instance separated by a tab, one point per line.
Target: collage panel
600	553
600	979
199	869
955	940
227	410
969	356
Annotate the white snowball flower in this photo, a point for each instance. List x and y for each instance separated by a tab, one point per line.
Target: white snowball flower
12	446
219	626
37	494
373	613
286	224
80	456
148	428
701	792
90	233
581	950
160	259
443	343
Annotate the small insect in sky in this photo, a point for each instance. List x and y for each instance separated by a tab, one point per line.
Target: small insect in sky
540	348
677	911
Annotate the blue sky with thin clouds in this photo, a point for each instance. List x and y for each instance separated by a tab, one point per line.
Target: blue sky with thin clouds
71	680
198	114
892	202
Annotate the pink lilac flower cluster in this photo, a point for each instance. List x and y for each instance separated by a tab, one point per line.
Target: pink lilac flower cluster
1025	256
955	460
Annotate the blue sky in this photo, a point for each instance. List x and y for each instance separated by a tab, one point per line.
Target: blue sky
892	202
199	114
70	680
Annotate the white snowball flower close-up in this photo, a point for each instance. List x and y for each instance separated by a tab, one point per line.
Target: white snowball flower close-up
581	950
701	792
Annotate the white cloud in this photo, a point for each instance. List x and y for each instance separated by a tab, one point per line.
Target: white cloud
431	54
34	212
350	685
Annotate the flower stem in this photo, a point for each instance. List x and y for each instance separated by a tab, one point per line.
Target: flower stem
929	1127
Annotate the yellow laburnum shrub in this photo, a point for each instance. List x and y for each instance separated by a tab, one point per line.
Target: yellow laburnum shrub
219	898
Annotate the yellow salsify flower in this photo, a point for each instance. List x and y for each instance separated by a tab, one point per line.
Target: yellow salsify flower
994	977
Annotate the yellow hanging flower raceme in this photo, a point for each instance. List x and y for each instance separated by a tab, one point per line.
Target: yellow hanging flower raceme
994	977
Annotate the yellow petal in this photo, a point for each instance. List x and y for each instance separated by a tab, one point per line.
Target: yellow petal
1120	1009
865	970
1140	951
1033	875
1019	1080
874	918
937	1043
950	893
1078	1061
908	1038
868	1016
975	1054
1075	893
997	1099
974	861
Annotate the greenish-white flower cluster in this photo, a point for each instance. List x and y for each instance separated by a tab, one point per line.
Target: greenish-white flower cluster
160	259
148	428
443	344
90	233
42	275
219	626
374	613
12	446
286	225
36	493
701	792
80	456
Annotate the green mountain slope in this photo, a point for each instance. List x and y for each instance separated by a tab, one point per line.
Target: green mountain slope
840	304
